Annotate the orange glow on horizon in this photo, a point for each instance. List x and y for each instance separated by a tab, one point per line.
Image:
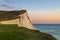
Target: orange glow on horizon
45	19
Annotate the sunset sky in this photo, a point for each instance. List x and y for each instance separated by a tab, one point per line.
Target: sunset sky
40	11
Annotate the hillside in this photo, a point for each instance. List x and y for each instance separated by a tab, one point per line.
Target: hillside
13	32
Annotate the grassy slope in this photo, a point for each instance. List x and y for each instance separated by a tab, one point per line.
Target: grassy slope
13	32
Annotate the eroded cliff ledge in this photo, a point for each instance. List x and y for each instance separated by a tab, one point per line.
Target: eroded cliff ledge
19	17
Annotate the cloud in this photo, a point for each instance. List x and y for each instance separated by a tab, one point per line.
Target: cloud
6	6
12	1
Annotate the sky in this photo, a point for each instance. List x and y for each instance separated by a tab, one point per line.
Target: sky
40	11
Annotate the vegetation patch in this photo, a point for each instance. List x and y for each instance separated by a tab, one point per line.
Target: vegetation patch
13	32
9	15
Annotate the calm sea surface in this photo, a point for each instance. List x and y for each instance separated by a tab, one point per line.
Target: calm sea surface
53	29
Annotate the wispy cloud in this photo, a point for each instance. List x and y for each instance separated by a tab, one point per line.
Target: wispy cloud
6	6
12	1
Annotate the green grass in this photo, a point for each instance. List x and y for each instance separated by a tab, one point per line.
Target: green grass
10	15
13	32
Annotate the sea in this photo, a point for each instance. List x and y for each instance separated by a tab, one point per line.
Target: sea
53	29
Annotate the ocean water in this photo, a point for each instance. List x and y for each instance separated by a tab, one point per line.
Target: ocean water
53	29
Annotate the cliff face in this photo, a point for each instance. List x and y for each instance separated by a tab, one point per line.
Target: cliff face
22	20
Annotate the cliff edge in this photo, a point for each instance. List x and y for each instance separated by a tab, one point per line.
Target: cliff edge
19	17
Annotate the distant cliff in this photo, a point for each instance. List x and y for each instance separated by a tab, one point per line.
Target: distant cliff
20	18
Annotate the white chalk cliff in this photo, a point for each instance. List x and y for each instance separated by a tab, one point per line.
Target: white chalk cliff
22	21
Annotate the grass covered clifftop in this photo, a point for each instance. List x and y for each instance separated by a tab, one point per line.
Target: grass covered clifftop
13	32
10	15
